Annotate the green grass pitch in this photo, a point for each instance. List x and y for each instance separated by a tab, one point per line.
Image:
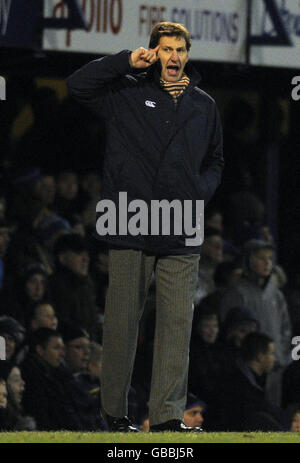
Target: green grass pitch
143	438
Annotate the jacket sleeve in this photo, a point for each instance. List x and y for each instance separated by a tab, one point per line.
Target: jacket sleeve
91	84
213	163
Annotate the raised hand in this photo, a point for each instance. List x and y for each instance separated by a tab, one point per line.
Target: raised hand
142	58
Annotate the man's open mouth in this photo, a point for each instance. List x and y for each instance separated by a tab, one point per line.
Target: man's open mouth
172	70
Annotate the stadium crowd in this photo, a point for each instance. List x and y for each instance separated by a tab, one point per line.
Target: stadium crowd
54	277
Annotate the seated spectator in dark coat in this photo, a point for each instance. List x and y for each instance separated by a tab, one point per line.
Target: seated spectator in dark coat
242	402
71	288
47	396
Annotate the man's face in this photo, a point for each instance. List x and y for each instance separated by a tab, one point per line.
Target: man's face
173	56
54	352
267	360
193	417
16	385
44	317
77	262
261	262
209	329
78	354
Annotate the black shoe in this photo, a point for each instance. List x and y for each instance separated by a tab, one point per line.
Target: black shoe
174	426
117	424
120	424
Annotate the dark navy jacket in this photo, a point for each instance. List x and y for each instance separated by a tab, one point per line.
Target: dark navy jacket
155	149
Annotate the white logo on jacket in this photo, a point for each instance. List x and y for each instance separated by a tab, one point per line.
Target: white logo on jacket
151	104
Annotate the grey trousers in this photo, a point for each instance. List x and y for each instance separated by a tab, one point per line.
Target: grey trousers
130	273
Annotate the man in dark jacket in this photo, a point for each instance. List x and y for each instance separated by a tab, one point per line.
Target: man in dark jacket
242	402
163	145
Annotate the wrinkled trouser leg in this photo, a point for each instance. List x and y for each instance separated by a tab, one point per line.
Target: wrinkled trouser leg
130	274
176	280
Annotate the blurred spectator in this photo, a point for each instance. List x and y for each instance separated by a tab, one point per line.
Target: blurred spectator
95	360
76	223
5	231
207	358
213	217
295	420
13	334
2	207
45	189
50	228
193	414
242	402
66	201
257	291
3	403
239	322
99	272
15	389
90	186
293	299
42	315
85	388
39	315
71	288
77	349
26	291
211	256
290	385
27	211
47	396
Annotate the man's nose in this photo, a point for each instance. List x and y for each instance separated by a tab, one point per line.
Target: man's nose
174	56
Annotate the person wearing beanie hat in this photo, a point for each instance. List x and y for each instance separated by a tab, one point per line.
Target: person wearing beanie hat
194	409
257	291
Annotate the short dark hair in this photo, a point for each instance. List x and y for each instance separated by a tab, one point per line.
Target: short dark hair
169	29
254	344
41	337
